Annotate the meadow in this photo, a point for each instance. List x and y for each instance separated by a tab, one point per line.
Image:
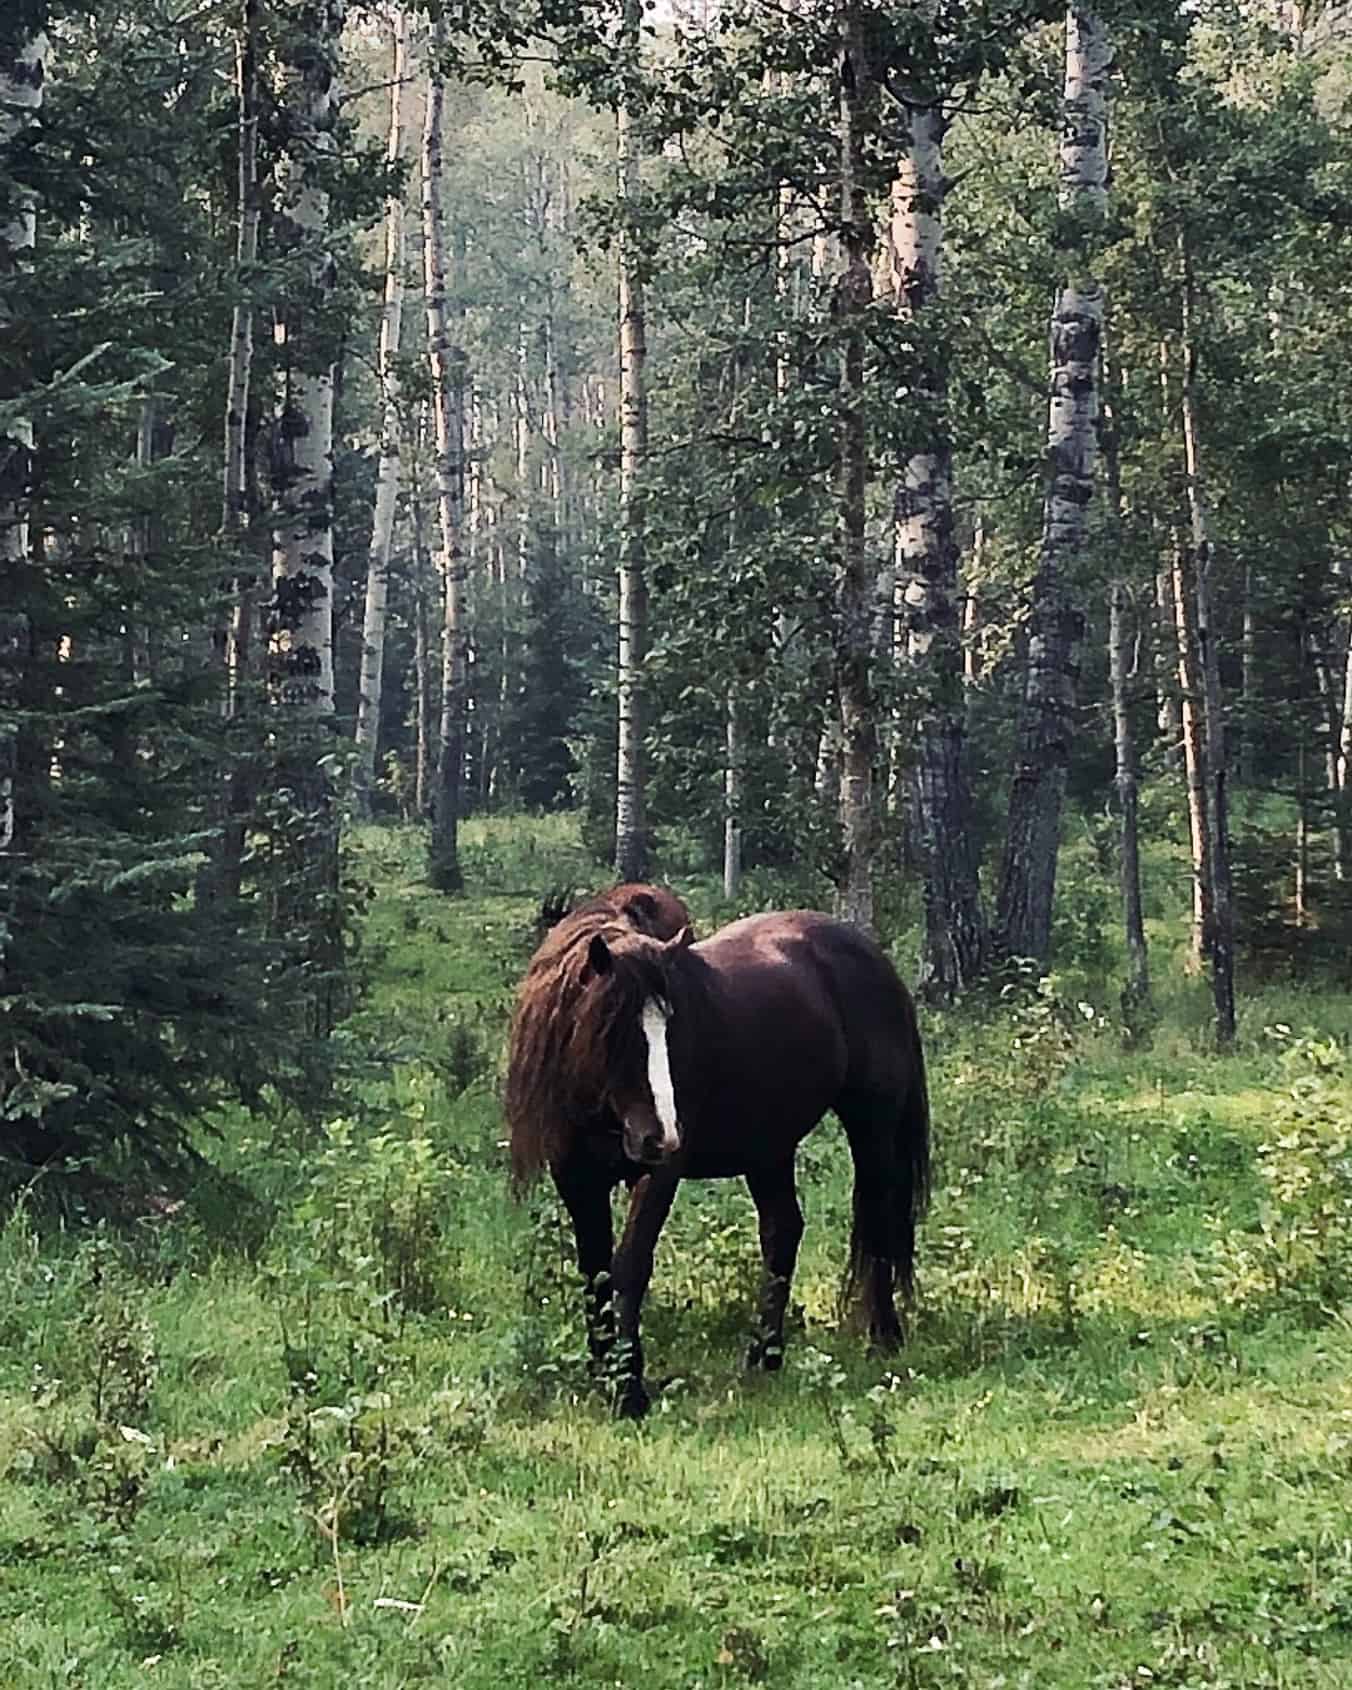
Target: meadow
324	1419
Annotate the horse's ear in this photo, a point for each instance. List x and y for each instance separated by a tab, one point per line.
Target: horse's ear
683	940
598	955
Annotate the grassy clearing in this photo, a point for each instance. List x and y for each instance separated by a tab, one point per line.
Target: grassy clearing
329	1423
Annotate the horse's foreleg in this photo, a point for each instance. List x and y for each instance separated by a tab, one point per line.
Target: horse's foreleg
781	1229
585	1190
649	1205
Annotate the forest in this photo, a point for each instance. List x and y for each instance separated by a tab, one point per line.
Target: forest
882	457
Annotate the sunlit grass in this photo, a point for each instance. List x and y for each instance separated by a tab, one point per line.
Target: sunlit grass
1115	1452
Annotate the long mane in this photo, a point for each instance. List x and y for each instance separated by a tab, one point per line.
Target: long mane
563	1030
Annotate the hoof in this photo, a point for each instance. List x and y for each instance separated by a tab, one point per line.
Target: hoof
765	1356
631	1400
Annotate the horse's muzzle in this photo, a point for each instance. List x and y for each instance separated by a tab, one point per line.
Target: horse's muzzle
650	1146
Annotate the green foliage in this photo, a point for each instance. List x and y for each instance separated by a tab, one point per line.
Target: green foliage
1301	1252
373	1222
371	1451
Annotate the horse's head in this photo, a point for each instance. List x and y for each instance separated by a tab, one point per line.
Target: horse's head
636	991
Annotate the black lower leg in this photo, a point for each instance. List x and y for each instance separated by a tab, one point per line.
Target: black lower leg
781	1229
585	1191
648	1209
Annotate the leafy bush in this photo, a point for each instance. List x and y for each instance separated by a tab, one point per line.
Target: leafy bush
1307	1163
372	1222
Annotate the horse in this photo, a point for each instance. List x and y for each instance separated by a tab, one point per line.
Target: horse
643	1060
651	909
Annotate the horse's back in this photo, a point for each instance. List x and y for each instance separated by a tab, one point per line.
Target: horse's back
815	972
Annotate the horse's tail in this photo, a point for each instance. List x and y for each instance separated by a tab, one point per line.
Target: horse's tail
889	1139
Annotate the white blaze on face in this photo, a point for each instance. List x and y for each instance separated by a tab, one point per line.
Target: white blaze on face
655	1018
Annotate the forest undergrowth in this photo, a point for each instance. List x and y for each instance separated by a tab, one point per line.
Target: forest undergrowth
325	1420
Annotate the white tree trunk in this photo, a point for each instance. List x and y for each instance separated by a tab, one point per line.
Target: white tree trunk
926	588
1192	749
1137	991
1344	767
422	594
1221	938
856	578
302	444
448	390
1028	876
21	83
303	883
732	795
631	832
371	682
235	512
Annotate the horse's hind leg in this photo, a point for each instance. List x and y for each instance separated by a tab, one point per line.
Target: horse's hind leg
882	1240
781	1229
585	1190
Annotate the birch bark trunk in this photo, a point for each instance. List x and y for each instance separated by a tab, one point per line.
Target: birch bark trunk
1136	992
1344	769
23	68
732	796
1221	938
302	436
1168	712
300	657
371	682
631	829
1193	752
928	614
236	515
447	364
422	658
856	580
1028	874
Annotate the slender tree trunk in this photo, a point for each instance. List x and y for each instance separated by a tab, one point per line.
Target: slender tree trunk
1344	770
1221	940
302	441
1028	874
1136	994
1193	750
826	765
221	875
1248	698
1301	875
971	612
732	795
300	659
1168	709
22	72
1136	991
235	513
371	683
448	396
553	424
856	583
631	827
927	600
422	658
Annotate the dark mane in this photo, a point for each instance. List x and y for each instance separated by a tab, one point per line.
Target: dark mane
567	1028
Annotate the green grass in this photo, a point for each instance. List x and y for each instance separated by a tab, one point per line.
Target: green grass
329	1424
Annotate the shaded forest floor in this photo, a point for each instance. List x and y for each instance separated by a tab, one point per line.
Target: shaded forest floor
327	1421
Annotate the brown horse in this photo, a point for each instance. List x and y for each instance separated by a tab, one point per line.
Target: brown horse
647	1060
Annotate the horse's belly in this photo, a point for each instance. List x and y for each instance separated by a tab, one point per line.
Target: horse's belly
738	1144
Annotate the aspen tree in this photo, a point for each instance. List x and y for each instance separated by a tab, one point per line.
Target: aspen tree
1028	874
370	684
